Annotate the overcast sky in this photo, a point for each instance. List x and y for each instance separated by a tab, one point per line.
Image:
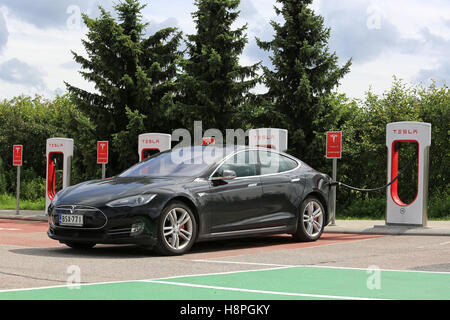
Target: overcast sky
409	39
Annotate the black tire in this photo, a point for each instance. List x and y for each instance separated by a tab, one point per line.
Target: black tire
309	228
80	245
167	243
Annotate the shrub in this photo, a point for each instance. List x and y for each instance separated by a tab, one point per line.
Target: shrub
363	208
439	206
33	190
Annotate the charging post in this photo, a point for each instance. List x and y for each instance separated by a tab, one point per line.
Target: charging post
59	152
17	162
151	143
334	151
417	135
399	135
271	138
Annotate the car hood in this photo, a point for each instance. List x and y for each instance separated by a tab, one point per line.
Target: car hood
99	192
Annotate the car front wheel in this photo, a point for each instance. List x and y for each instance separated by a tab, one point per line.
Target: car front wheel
177	229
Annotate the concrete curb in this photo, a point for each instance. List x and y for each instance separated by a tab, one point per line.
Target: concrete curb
31	215
25	218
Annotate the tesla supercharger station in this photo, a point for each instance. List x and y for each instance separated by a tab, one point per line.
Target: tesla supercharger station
151	143
419	134
57	150
271	138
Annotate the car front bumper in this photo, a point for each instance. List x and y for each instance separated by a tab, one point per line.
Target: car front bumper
105	226
100	237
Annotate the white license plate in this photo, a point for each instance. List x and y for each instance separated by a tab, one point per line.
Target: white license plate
71	220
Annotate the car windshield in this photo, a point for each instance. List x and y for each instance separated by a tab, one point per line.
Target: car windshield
186	162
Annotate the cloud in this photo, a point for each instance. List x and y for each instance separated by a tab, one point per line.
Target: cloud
362	31
247	9
257	26
3	32
51	13
69	65
359	30
256	54
15	71
434	42
438	47
441	74
156	26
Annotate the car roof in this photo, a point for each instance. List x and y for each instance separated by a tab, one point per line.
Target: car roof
226	148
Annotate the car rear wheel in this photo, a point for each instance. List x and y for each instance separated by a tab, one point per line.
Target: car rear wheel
177	229
311	220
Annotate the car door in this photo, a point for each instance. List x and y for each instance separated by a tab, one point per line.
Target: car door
234	204
281	187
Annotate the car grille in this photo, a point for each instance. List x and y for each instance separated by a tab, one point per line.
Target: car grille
93	217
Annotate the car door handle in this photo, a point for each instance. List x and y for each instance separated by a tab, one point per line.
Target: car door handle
295	180
252	185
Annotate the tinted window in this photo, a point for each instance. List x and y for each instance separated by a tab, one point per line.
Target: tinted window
190	161
287	164
243	163
274	163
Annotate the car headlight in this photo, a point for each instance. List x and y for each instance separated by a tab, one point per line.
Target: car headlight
132	201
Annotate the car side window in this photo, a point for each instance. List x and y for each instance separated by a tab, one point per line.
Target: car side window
287	164
245	164
272	162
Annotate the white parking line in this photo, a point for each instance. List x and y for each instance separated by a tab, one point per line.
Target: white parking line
246	263
310	266
260	291
136	280
9	229
218	273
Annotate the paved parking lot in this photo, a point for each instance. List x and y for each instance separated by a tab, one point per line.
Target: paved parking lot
338	266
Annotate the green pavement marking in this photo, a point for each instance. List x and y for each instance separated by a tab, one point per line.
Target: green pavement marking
334	282
135	290
285	283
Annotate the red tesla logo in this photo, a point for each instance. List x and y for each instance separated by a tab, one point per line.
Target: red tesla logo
406	131
102	151
150	141
17	155
334	144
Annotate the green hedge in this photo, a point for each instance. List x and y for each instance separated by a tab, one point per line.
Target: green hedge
375	208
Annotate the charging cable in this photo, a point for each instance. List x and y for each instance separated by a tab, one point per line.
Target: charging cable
337	183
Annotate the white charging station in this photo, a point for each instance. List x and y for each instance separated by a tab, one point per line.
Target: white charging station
398	212
150	143
57	149
271	138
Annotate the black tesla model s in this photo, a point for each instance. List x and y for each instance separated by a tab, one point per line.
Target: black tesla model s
178	197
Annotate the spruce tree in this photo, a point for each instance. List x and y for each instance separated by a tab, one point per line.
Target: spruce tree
303	76
213	86
130	71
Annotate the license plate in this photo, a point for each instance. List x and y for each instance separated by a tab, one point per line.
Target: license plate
71	220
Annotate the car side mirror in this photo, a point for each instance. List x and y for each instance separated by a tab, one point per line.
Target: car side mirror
227	175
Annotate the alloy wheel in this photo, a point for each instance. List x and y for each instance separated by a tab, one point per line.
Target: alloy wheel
313	218
178	228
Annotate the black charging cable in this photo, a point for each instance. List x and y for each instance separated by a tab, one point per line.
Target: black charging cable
340	184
